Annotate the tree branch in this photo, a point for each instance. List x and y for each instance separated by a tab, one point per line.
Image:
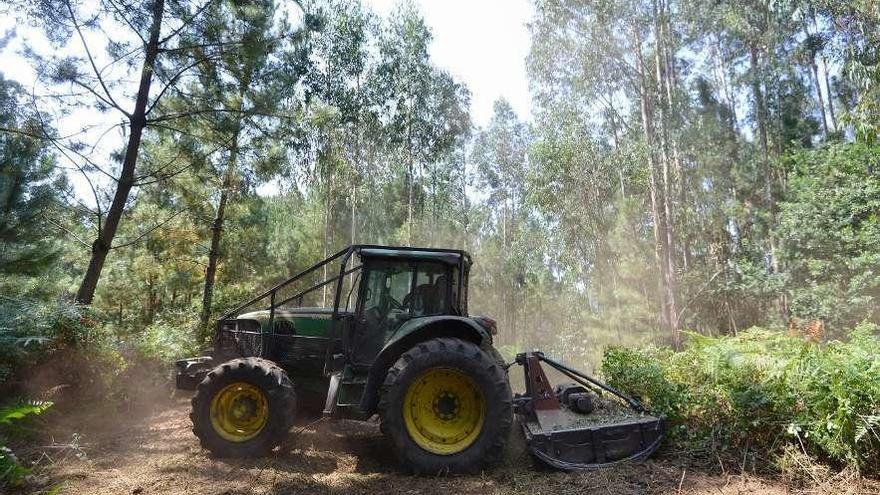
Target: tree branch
186	23
66	231
150	230
98	213
689	301
125	19
92	60
173	80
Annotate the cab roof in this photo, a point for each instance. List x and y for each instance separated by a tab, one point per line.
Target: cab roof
448	256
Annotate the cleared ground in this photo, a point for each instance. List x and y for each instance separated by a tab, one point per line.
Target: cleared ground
154	452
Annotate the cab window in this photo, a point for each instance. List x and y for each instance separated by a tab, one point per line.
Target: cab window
431	293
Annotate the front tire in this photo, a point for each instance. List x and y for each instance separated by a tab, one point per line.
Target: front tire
446	406
243	408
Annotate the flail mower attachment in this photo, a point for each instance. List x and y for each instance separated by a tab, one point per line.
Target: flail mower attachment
573	427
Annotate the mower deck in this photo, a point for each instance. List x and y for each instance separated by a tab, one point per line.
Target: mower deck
575	427
560	438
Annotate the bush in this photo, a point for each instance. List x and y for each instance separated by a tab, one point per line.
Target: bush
171	337
763	391
30	329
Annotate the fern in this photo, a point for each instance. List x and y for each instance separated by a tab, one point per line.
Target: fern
10	414
761	390
12	473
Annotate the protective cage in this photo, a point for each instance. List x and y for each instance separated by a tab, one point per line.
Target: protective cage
240	339
555	431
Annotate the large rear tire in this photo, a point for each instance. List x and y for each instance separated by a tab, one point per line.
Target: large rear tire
243	408
446	406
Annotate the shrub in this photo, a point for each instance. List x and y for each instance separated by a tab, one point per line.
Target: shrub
30	329
171	337
763	391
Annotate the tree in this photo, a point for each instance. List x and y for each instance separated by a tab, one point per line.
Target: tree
634	45
246	86
830	220
338	107
143	42
500	155
29	189
425	108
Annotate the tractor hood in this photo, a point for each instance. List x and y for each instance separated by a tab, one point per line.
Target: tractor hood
263	314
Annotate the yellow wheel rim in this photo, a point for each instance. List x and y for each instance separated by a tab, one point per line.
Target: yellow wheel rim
443	411
239	412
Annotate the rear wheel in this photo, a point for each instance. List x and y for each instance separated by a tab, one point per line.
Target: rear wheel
446	406
243	408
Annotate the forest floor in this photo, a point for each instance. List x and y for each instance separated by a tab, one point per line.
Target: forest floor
154	452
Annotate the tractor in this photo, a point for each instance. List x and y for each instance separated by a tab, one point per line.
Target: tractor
381	330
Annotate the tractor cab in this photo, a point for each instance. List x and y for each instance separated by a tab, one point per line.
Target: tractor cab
399	285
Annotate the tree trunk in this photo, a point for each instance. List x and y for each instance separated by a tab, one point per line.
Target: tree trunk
410	175
137	121
829	94
667	153
657	208
761	114
666	70
217	233
760	104
328	217
814	69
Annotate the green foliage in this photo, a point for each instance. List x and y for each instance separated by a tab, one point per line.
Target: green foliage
28	188
31	329
762	390
12	418
642	374
12	414
169	338
830	221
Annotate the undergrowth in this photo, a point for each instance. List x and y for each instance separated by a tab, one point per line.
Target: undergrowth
763	392
12	424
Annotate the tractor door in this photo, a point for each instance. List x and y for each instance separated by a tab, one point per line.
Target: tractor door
380	306
393	292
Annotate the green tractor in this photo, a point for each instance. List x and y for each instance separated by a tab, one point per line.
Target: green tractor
388	333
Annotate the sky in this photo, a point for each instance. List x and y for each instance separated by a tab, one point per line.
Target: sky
483	44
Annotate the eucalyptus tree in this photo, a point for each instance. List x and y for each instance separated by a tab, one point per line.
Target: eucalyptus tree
339	108
500	156
619	59
851	32
424	110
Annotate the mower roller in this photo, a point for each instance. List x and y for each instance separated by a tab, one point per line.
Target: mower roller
386	332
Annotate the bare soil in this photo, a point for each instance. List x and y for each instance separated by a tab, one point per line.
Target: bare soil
153	451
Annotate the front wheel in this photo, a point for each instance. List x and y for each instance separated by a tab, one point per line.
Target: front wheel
446	406
243	408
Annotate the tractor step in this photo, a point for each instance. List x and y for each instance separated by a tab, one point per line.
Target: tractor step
574	427
342	396
332	392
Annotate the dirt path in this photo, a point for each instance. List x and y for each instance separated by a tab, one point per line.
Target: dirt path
157	454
